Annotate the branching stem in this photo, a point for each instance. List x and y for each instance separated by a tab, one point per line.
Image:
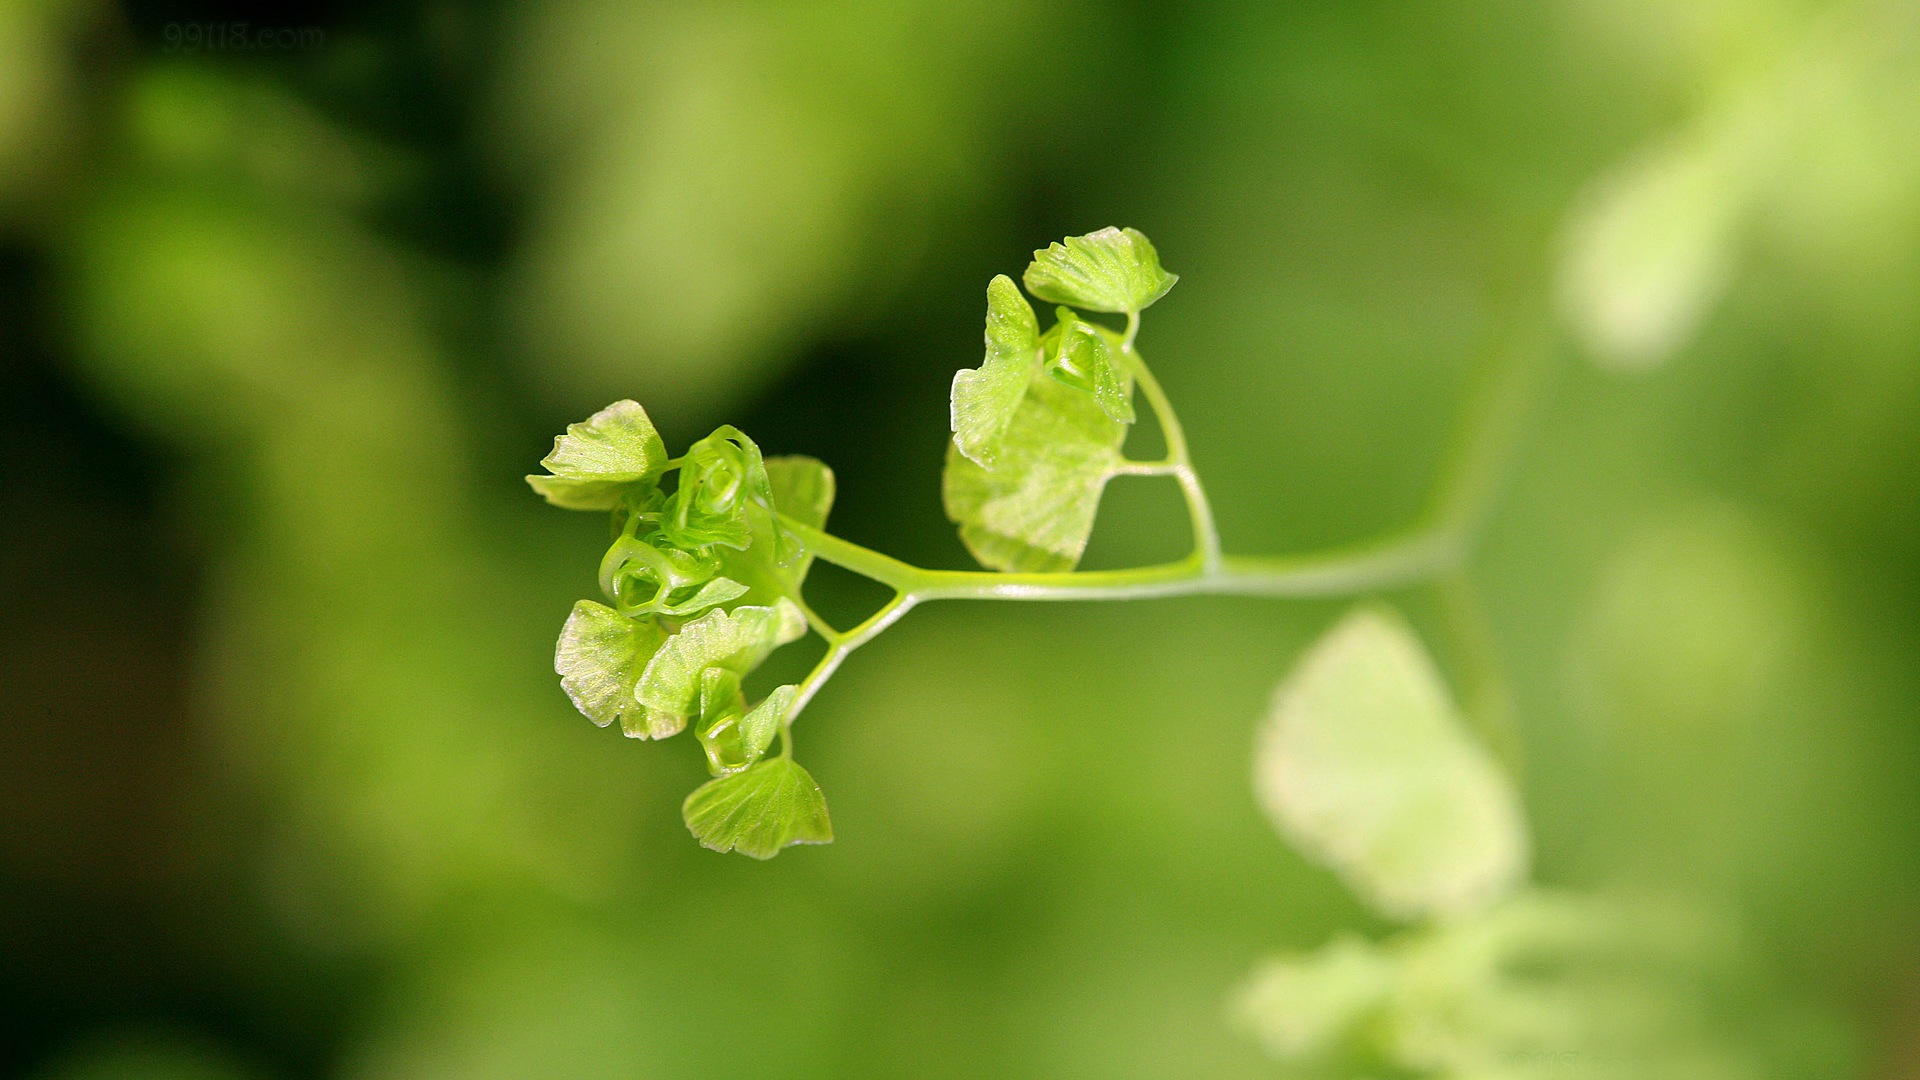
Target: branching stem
1434	546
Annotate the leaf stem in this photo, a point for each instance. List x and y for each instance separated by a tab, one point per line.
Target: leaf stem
1434	545
1206	536
839	644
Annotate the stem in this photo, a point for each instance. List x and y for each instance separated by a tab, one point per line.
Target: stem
1206	537
1415	556
1433	546
840	644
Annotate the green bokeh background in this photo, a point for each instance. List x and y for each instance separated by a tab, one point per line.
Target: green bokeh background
287	785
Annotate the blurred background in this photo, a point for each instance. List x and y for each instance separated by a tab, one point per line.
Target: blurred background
292	295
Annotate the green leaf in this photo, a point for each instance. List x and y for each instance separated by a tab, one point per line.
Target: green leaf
1306	1007
600	658
1083	360
602	458
733	736
738	641
642	578
1035	508
802	488
985	398
1365	764
721	478
759	727
1113	270
759	810
721	708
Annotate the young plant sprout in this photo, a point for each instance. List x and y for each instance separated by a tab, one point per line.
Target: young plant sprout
711	549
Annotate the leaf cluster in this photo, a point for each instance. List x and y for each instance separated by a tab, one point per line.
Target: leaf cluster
701	582
1038	426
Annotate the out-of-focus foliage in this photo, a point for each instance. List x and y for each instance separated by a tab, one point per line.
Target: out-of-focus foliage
301	317
1366	763
780	165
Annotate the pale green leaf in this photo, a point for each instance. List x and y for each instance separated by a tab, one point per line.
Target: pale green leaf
601	458
1366	765
759	810
737	640
1035	508
985	398
599	659
1650	248
1111	270
759	727
1304	1007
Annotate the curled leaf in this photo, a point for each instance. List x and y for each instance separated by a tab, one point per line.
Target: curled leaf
1113	270
1081	358
643	578
759	810
721	477
601	459
985	398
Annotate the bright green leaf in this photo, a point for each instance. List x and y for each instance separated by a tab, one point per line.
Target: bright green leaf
1365	764
759	810
759	727
1111	270
601	458
1035	508
599	660
1083	360
985	398
722	477
737	640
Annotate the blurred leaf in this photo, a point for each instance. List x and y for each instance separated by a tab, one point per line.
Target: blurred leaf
759	810
1366	764
781	168
738	640
985	398
599	660
1112	270
1649	251
1035	508
1541	986
599	459
1301	1007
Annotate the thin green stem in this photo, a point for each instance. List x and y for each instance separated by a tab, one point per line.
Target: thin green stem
819	625
1206	537
841	644
1433	546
